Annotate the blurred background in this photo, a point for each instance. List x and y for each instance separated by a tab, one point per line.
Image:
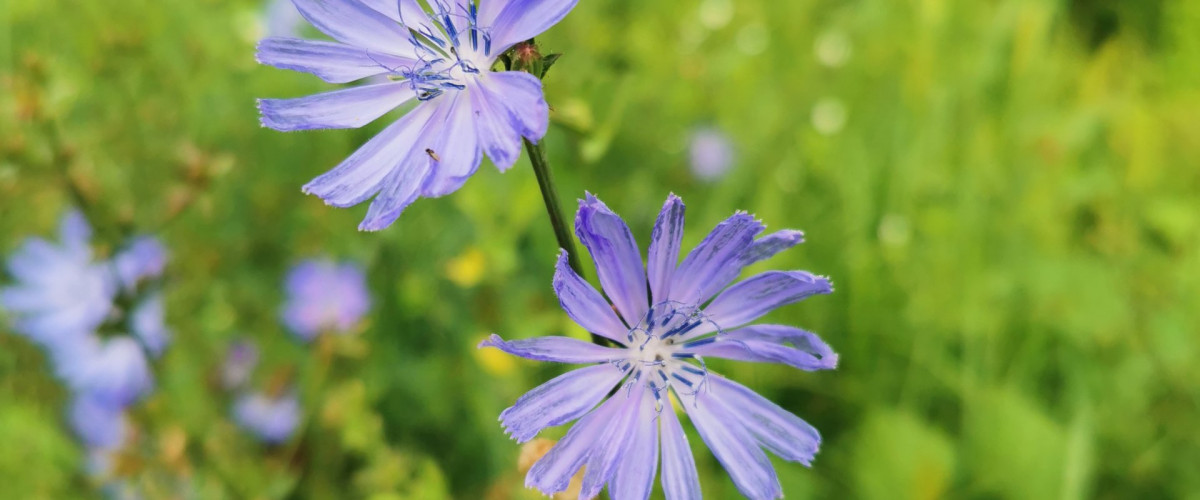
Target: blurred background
1006	194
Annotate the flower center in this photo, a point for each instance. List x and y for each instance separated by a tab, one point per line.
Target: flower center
659	350
655	351
451	49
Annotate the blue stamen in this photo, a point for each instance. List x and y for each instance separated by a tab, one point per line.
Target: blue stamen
682	329
698	343
473	16
681	379
450	29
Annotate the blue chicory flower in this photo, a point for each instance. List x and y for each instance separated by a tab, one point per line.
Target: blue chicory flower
148	324
710	154
239	364
99	425
272	419
665	320
61	293
441	58
114	373
323	296
143	258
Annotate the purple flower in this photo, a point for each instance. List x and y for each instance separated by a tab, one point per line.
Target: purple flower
665	320
144	257
147	323
98	425
271	419
323	296
442	61
239	364
710	154
61	293
115	373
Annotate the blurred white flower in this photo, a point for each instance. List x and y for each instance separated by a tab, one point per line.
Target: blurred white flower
833	48
829	116
715	14
894	230
753	39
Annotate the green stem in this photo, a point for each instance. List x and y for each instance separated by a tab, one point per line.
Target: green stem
541	168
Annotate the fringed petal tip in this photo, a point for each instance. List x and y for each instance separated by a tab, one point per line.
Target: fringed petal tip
266	109
830	362
495	341
512	430
312	189
824	285
791	236
587	199
827	282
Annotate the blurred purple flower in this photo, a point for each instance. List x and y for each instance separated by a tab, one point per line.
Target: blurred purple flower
147	323
271	419
61	293
114	373
239	364
145	257
98	425
282	19
323	296
710	154
463	108
663	330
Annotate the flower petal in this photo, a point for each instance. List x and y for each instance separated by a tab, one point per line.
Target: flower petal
735	448
360	176
618	260
777	429
556	349
561	400
635	473
524	19
584	304
611	446
680	481
399	190
521	94
494	126
552	473
489	10
403	185
663	254
75	233
714	263
331	61
770	344
771	244
147	323
346	108
760	294
454	155
98	425
406	12
354	23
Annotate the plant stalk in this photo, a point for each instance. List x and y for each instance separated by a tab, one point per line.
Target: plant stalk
541	169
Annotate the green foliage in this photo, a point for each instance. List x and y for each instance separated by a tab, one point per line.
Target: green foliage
1006	194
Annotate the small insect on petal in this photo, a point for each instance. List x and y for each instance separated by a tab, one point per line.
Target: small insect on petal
432	154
